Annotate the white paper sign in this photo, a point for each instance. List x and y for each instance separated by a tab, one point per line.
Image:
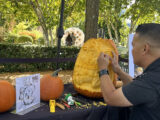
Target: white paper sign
131	64
27	92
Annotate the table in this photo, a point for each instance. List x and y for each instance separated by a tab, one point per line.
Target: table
93	113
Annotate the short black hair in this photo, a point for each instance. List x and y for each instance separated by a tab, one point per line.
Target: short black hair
151	30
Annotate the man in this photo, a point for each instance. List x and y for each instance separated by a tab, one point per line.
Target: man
143	92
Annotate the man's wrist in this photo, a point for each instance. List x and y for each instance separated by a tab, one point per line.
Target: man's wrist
103	72
119	70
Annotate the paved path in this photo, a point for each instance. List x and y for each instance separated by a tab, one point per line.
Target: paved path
66	76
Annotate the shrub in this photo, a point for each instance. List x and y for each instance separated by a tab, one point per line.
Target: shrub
41	41
32	51
11	38
24	38
29	34
1	38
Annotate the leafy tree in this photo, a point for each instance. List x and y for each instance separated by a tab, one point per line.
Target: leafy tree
74	16
114	14
111	12
6	14
44	13
142	11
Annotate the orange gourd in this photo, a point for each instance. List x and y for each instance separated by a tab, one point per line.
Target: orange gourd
7	96
85	74
51	86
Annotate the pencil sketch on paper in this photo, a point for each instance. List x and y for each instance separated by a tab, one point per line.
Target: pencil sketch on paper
27	91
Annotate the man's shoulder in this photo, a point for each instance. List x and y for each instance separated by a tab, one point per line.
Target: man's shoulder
152	78
148	76
148	80
144	79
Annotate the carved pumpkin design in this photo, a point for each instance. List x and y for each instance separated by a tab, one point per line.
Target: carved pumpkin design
85	74
7	96
51	86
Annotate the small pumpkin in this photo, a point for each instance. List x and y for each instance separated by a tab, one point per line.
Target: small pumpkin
85	74
51	86
7	96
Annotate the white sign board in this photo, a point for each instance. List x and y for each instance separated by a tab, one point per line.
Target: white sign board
27	92
131	63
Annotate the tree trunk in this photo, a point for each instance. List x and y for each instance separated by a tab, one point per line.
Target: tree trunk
109	31
41	19
46	36
91	22
116	33
50	33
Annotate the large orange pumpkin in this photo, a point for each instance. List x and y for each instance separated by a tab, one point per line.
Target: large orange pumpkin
7	96
51	87
85	75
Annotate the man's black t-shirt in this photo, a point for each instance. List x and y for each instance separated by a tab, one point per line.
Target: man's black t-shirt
144	94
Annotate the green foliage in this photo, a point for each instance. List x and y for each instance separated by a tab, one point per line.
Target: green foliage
74	14
5	10
21	26
122	50
11	38
36	32
115	12
41	41
22	29
124	32
149	18
28	34
19	51
48	14
110	18
143	11
24	38
2	20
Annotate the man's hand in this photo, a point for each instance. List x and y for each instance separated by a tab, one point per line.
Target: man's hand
114	62
103	61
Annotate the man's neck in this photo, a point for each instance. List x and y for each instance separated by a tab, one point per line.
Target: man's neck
149	61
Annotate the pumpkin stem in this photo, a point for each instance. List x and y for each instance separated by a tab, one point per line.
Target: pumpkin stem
56	72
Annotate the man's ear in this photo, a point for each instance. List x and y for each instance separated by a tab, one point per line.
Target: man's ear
146	48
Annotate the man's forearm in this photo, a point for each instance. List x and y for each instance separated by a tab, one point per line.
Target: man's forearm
126	78
107	87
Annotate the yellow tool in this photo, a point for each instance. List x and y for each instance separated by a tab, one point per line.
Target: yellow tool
52	105
60	106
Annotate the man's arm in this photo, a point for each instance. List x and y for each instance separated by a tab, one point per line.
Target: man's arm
112	96
126	78
137	92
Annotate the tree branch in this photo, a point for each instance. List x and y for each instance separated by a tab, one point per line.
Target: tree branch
116	32
71	9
